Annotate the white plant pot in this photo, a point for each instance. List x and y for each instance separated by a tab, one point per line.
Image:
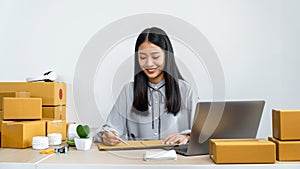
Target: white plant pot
83	143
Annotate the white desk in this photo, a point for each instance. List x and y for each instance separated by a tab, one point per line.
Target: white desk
19	158
29	158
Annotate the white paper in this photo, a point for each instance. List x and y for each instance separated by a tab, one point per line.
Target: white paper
159	154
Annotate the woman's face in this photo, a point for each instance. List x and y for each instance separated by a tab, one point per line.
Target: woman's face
152	61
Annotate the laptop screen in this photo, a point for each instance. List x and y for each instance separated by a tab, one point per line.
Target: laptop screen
224	119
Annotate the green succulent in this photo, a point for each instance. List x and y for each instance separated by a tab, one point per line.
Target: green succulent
83	131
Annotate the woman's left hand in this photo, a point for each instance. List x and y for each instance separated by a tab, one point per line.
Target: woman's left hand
176	139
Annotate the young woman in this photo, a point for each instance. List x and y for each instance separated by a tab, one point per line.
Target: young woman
158	104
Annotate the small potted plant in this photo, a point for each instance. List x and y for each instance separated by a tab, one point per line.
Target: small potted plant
84	142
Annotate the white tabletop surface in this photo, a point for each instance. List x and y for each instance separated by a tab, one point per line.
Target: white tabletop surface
129	159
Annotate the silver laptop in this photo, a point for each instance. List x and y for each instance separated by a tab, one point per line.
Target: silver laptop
222	119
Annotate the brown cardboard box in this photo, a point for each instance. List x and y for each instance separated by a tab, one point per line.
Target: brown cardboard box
52	93
56	126
223	151
12	94
15	108
286	124
5	94
19	134
287	150
2	121
56	112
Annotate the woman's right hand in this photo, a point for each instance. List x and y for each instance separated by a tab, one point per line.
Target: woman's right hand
110	138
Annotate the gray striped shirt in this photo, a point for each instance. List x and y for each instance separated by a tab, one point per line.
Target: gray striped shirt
156	123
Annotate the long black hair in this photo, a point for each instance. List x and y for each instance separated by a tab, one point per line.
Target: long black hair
171	73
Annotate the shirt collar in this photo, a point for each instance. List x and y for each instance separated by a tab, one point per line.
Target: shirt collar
158	85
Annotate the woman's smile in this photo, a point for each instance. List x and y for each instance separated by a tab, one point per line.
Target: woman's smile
151	70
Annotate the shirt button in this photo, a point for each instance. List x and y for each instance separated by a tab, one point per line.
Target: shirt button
156	102
155	118
155	134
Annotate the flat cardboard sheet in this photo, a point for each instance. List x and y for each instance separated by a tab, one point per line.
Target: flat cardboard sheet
136	145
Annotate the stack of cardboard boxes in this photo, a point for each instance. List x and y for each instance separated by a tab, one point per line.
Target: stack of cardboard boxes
283	146
31	109
286	134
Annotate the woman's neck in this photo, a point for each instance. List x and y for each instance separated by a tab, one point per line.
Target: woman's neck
157	79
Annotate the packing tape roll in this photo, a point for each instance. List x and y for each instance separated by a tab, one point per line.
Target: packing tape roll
72	133
40	142
54	139
23	94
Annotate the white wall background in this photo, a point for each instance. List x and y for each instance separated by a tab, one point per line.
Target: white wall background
257	42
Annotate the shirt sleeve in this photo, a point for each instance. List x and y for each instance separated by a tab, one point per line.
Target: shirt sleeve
116	119
189	102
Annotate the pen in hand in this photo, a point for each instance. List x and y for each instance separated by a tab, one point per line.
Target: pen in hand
109	130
